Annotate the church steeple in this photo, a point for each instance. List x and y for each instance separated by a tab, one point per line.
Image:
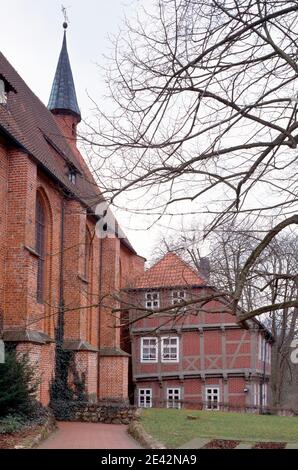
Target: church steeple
63	99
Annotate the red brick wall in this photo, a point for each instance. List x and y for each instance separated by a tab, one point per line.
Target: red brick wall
86	365
42	358
111	264
3	215
113	381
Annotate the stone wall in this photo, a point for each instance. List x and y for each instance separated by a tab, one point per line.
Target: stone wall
102	412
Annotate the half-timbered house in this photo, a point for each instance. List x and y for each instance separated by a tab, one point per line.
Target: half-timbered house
194	355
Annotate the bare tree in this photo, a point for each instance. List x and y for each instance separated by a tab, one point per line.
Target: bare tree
203	99
274	279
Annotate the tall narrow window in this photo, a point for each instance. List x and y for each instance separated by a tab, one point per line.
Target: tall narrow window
149	349
40	247
173	398
87	254
212	398
170	349
145	397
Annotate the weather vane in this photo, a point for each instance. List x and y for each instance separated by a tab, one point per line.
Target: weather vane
66	20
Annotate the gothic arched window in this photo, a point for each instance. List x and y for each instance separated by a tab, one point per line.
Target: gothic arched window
40	232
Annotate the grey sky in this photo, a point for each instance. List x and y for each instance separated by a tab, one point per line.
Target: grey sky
31	37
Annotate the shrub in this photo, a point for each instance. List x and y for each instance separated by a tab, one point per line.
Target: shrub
10	424
18	384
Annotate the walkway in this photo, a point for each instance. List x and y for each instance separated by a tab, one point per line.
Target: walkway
89	436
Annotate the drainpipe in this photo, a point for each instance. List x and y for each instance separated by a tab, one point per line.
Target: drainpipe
99	310
60	322
264	377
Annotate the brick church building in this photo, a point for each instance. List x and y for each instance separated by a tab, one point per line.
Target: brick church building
54	271
194	357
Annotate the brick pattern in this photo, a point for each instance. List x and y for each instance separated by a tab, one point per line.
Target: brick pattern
42	359
113	378
86	365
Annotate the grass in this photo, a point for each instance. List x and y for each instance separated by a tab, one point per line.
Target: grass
172	427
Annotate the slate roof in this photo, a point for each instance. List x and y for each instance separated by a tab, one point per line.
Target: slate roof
63	95
170	271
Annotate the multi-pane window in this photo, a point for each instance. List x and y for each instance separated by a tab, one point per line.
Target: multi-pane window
268	353
173	398
264	349
40	247
170	349
178	296
264	389
256	394
149	349
212	398
152	300
145	397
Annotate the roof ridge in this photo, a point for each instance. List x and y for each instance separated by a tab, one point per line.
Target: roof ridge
169	273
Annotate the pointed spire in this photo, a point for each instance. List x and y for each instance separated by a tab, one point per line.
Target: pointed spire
63	99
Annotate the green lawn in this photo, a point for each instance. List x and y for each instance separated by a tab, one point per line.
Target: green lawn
174	429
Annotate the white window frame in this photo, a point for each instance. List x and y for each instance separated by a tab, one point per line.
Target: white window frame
178	299
256	394
149	301
167	360
143	394
262	348
264	394
212	394
174	397
155	346
268	353
265	351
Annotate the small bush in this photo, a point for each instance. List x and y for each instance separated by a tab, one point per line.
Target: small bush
11	424
18	385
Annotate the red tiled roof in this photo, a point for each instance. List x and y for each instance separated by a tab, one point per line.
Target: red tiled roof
170	271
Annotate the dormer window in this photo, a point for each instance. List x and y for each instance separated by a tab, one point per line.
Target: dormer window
3	94
72	175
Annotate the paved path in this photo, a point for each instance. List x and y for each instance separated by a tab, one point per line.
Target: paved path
89	436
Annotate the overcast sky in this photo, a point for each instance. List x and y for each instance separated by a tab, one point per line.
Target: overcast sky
31	37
